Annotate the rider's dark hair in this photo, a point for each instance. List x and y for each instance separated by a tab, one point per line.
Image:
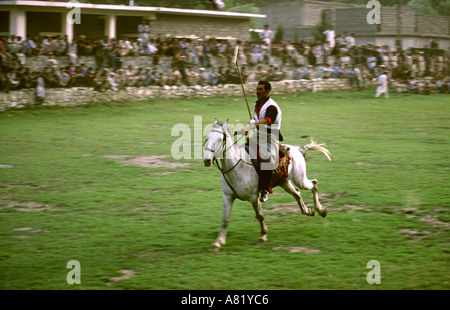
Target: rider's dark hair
266	84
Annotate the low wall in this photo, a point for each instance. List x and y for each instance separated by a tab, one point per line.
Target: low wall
80	96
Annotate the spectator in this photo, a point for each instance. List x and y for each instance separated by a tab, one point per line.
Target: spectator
267	36
192	77
46	46
174	77
330	36
40	87
203	77
144	32
214	76
260	74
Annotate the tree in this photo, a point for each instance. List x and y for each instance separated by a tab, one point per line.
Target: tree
422	7
321	27
279	34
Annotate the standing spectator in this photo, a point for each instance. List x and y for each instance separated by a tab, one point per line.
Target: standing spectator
330	36
382	85
267	36
144	32
40	87
72	51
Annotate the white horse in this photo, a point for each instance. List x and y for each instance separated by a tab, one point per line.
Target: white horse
240	178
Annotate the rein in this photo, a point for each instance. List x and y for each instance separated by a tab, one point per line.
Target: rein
216	162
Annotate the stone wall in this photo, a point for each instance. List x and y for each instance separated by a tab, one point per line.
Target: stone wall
81	96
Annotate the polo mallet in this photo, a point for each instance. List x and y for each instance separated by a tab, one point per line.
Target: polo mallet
235	61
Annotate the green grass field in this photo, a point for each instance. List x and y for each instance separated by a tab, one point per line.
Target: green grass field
98	185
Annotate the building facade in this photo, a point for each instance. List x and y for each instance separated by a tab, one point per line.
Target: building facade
38	18
398	28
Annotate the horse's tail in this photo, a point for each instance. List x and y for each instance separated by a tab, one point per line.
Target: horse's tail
315	147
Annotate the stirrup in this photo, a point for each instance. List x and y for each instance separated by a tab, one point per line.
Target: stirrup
264	196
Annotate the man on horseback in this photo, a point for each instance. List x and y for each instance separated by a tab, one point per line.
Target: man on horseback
264	145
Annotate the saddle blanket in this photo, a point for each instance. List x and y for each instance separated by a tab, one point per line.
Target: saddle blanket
280	174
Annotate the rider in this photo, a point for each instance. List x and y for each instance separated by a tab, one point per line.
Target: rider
267	120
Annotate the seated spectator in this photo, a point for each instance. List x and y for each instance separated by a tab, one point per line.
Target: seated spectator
121	79
59	46
13	45
192	77
130	74
337	72
140	77
102	82
12	80
260	74
214	76
65	78
51	77
146	77
51	61
306	72
157	78
203	77
280	74
29	47
222	76
174	77
232	76
46	46
296	73
90	78
324	71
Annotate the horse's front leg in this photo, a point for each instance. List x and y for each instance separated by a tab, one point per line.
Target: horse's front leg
260	216
227	205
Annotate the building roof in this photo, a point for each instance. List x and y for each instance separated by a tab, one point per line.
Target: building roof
130	9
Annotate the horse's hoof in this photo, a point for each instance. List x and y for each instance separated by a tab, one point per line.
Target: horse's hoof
262	239
309	213
215	246
323	213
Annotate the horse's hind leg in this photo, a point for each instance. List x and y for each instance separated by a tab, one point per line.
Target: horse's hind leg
259	215
289	188
313	187
227	205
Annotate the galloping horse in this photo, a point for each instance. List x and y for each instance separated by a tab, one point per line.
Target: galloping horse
240	178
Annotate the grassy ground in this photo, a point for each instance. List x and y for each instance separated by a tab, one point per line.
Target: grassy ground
94	184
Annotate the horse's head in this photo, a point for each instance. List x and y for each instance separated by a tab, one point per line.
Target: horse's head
215	143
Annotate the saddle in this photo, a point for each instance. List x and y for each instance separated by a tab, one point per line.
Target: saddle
280	174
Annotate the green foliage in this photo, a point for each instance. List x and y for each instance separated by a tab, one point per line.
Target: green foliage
422	7
279	34
321	27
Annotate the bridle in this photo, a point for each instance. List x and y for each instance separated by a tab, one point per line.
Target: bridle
225	149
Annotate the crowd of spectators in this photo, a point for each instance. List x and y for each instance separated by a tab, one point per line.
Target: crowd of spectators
209	62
